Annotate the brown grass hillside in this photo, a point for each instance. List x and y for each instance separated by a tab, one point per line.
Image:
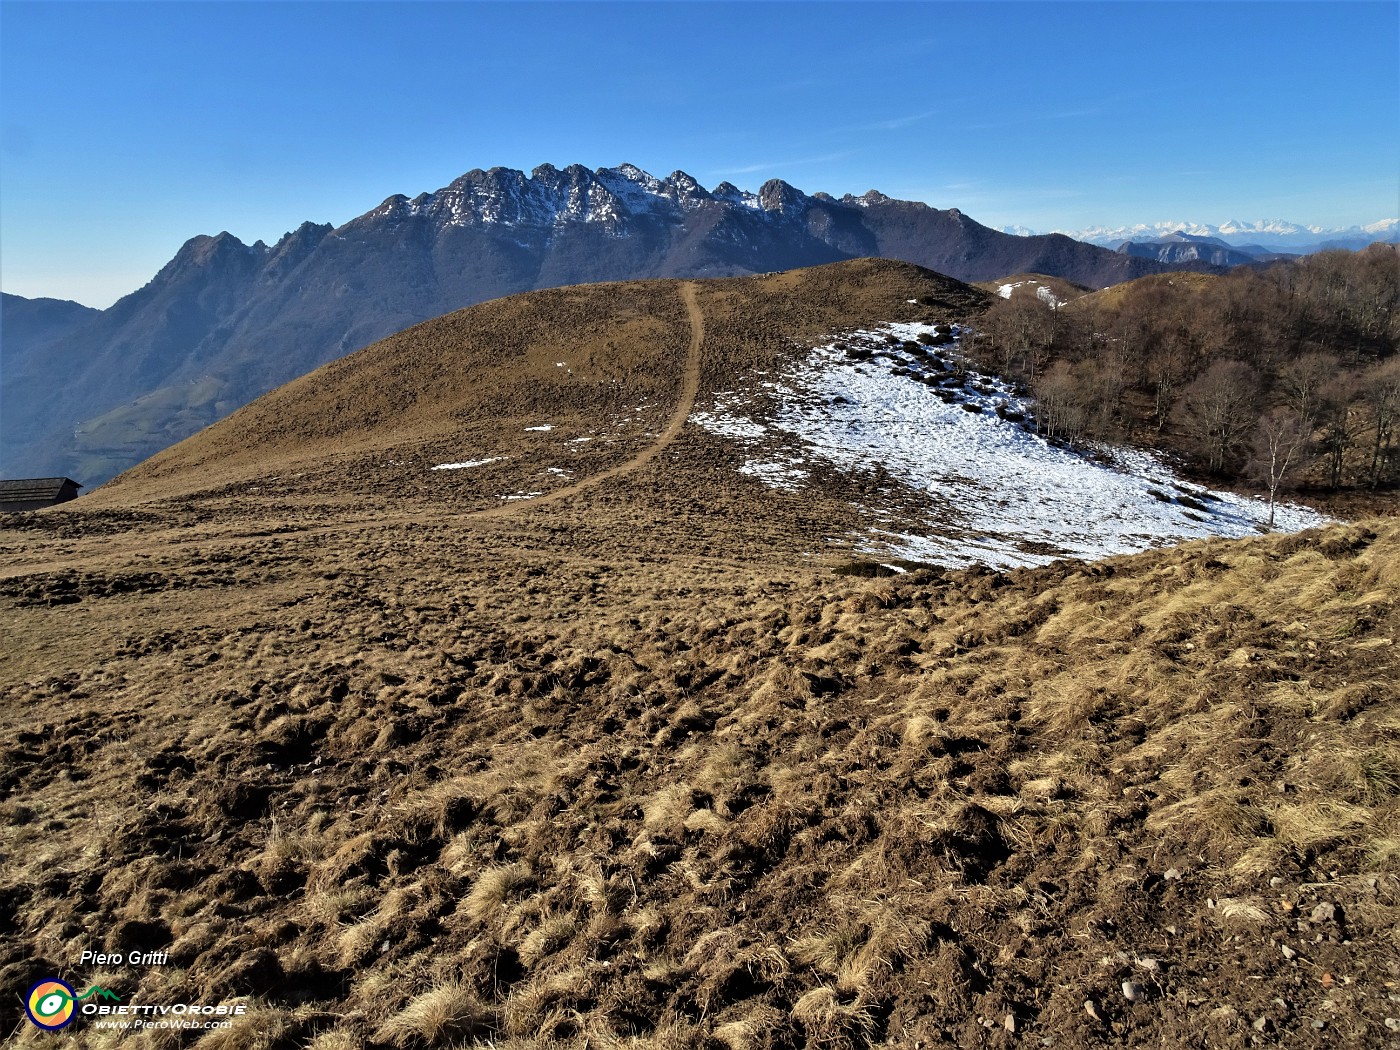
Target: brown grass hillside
601	362
631	768
1114	295
1031	283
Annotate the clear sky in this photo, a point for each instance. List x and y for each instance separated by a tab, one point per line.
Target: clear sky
130	127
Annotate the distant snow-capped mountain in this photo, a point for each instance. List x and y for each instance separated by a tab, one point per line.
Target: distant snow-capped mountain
1267	233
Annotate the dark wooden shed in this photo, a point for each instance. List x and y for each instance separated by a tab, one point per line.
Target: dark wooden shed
35	493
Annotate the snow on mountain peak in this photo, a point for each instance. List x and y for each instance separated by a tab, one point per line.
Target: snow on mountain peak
1275	233
631	171
732	194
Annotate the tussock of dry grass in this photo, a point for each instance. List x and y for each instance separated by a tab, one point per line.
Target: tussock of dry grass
529	786
827	1021
451	1012
493	889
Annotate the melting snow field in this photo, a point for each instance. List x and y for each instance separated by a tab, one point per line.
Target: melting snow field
997	493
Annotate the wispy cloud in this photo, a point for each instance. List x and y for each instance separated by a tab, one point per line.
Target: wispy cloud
1037	118
946	106
895	123
749	169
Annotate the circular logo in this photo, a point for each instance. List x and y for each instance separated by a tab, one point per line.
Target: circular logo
50	1004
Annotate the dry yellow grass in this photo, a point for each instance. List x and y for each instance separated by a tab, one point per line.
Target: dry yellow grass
632	771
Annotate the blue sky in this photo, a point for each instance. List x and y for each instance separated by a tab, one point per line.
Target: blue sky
126	128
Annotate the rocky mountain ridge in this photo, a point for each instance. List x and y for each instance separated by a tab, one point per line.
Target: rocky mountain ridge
224	322
1186	247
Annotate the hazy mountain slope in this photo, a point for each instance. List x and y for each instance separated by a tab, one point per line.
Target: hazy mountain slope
224	322
147	345
970	251
27	328
28	323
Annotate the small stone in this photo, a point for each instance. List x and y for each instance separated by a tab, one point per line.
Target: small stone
1288	952
1324	912
1132	991
1150	964
1261	1024
1010	1023
1171	875
1275	882
1171	930
1393	1023
1319	1024
1091	1009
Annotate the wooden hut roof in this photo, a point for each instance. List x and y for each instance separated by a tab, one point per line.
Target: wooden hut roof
34	488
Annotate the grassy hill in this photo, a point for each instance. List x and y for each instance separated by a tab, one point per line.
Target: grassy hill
399	763
1054	290
1113	296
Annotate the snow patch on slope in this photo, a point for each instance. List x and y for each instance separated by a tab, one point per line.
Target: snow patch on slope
1042	293
990	489
468	463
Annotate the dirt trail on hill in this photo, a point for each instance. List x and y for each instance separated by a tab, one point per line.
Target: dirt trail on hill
690	386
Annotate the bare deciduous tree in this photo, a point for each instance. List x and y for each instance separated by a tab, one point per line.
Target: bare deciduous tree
1339	422
1280	443
1060	407
1022	330
1380	389
1218	409
1302	379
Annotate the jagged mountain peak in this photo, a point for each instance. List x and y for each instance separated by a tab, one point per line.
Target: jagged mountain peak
869	197
631	173
247	318
291	248
775	195
202	249
732	194
682	181
549	175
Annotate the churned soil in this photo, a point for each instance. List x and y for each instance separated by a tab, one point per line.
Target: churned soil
655	763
